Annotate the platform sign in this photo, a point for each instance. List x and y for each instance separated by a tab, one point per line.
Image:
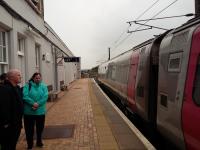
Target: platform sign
72	59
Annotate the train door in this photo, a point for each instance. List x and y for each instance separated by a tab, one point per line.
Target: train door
173	62
132	79
142	82
191	104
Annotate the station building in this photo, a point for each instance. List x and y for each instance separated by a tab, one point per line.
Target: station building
29	44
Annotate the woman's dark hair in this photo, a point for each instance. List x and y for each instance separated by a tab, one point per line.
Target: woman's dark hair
34	75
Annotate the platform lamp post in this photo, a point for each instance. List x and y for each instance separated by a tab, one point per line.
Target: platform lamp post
197	8
108	53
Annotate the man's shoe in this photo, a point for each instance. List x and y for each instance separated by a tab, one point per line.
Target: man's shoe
29	147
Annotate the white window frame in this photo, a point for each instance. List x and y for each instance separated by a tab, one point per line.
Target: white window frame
4	61
21	46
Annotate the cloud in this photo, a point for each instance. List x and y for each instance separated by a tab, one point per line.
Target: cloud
89	27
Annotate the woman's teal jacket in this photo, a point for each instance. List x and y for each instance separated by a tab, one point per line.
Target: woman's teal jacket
36	93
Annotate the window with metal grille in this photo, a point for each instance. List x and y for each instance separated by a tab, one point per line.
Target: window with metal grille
140	91
174	64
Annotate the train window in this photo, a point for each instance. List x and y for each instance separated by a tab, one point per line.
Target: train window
196	87
163	100
109	72
174	64
140	91
143	50
121	73
113	74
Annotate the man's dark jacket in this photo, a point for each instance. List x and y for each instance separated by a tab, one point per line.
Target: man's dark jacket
11	110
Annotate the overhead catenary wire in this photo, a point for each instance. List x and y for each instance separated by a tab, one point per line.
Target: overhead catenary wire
122	34
156	27
145	23
137	18
147	9
157	14
186	15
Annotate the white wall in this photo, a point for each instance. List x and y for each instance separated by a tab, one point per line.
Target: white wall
17	27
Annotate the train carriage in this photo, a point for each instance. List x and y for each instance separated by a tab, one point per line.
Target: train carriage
176	120
159	80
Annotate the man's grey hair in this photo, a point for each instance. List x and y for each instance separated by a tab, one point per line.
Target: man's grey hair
12	72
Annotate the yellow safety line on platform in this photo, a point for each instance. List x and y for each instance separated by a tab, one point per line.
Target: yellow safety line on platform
146	143
105	135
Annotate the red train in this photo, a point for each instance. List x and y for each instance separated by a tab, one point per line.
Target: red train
159	80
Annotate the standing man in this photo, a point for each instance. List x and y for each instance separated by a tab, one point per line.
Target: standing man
11	110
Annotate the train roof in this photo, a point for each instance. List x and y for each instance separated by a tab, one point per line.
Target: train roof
188	24
138	46
191	22
134	48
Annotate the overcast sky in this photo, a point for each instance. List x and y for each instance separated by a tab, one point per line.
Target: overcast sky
89	27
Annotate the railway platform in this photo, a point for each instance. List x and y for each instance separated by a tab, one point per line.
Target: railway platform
85	119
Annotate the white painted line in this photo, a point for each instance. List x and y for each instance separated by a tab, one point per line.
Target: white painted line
146	143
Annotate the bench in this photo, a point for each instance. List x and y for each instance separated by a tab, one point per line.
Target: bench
63	87
52	95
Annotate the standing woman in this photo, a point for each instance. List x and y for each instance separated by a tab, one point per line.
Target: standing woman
35	96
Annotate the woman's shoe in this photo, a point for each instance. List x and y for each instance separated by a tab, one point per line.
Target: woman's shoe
39	144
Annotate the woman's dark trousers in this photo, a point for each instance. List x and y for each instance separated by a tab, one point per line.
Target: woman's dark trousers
29	124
